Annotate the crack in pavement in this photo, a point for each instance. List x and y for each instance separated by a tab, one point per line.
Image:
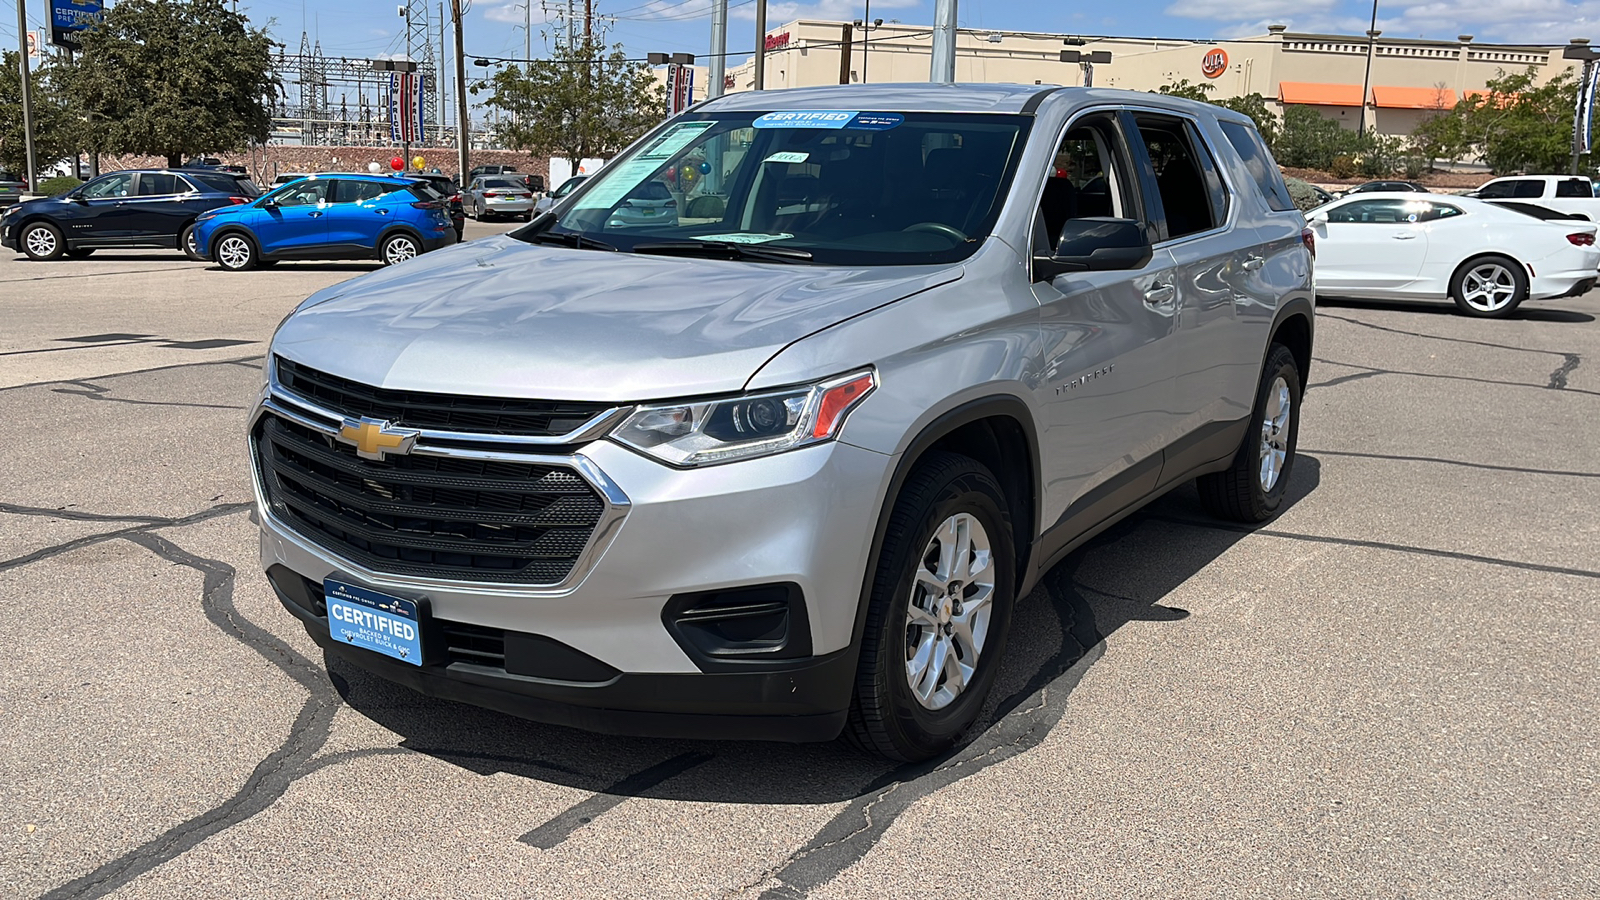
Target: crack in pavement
1380	545
271	777
1558	378
73	515
97	392
221	509
1377	371
56	277
1451	462
1021	722
188	365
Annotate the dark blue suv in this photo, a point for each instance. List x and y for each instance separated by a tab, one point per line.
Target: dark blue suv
329	217
135	208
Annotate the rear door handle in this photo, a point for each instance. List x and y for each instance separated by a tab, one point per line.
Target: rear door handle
1253	263
1405	235
381	212
1160	294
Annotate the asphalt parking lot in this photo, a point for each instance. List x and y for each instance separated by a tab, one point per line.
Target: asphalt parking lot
1388	691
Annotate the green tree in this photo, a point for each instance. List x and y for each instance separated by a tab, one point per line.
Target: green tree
584	102
1518	126
53	126
1183	88
174	78
1311	141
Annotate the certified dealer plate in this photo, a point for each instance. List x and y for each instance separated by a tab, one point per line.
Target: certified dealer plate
378	622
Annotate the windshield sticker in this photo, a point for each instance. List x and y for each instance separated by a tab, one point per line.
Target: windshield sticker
616	182
787	156
875	121
804	118
744	237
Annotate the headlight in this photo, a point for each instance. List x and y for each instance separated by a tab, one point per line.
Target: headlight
725	429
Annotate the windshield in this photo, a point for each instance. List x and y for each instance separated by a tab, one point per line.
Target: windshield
827	186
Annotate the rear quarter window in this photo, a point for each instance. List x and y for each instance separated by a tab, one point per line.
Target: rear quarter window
1572	187
1258	160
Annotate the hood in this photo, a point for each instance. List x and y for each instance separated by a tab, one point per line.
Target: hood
500	317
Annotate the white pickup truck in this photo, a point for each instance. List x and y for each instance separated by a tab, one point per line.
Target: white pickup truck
1563	193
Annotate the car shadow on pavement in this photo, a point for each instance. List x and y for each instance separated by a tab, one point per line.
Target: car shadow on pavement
1533	313
1121	576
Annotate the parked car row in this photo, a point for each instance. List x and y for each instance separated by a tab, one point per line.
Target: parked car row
213	214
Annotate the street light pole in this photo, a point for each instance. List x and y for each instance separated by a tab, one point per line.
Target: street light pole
761	44
942	70
462	122
27	95
1366	82
717	71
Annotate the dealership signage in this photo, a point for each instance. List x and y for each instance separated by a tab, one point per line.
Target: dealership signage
1214	63
777	41
405	107
680	88
68	17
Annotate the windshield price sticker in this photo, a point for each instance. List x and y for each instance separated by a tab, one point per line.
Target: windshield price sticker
787	156
618	181
745	237
875	121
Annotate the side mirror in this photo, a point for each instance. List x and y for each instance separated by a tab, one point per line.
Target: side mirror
1318	220
269	203
77	197
1097	245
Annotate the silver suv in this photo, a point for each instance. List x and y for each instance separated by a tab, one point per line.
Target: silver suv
778	465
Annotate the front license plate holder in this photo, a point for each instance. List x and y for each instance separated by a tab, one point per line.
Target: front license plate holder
372	620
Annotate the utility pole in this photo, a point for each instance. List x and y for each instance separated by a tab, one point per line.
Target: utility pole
462	123
717	69
943	67
1366	82
27	95
761	44
844	54
527	31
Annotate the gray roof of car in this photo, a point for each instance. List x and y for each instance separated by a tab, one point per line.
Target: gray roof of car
925	97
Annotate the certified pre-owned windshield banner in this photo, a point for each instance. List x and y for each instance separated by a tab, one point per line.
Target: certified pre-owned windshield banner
829	118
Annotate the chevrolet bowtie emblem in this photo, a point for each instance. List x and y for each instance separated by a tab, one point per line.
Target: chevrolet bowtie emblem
376	438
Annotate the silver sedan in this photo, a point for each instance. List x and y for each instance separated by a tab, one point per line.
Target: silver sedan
491	196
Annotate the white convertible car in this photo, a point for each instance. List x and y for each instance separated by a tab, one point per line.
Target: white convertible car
1486	258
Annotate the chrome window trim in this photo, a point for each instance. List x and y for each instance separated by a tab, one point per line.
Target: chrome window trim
617	505
592	429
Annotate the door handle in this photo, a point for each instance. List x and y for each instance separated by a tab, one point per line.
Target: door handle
1254	263
1405	235
1160	294
316	215
381	212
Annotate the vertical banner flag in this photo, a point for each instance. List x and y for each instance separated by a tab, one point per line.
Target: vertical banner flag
405	107
1582	123
680	88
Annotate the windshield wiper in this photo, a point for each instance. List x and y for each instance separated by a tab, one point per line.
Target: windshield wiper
725	250
566	239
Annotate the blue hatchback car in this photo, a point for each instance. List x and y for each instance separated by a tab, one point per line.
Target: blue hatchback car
328	217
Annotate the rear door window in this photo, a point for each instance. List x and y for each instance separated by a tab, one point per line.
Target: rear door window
158	184
1258	160
1572	187
1192	193
350	191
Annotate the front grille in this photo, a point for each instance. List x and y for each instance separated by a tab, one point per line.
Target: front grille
442	412
427	516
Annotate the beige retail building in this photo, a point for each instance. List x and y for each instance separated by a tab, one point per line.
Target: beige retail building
1411	79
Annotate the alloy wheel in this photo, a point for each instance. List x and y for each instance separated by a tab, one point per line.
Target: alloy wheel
399	250
233	252
41	242
1488	287
1275	422
947	614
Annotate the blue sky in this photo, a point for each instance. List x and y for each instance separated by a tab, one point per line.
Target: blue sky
494	27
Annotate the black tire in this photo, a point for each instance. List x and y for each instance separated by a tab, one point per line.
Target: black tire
1476	296
236	252
1238	493
886	716
187	245
41	241
399	247
527	217
79	252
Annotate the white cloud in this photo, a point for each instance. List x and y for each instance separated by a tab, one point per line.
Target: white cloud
1500	21
832	10
512	13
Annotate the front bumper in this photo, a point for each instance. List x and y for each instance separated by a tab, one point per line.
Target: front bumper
805	517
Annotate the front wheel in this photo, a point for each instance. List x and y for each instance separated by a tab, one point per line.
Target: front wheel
1252	488
399	248
42	241
938	613
236	253
1489	287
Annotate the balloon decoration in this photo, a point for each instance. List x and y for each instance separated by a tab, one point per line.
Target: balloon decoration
419	163
397	164
374	168
705	168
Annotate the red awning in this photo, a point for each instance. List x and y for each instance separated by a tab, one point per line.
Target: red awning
1413	98
1314	94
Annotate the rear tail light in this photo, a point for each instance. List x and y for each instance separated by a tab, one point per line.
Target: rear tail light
455	198
1581	239
238	200
490	196
1309	238
427	204
672	203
